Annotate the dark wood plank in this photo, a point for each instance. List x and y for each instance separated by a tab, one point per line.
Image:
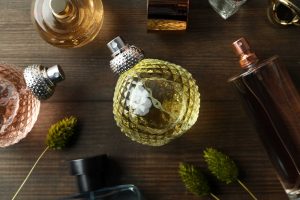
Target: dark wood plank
87	93
154	170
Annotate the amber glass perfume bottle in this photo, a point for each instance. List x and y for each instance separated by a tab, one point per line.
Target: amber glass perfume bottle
20	95
68	23
155	101
274	105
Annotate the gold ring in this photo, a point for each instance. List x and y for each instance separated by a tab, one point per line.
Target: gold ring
284	12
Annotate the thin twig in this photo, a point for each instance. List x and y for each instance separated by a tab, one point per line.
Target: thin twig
28	175
214	196
245	187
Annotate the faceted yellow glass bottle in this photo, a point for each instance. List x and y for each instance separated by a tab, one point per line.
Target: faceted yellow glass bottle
154	101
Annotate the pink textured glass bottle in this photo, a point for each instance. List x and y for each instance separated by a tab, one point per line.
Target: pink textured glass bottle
20	95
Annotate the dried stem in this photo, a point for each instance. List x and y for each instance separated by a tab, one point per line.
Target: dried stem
214	196
30	172
245	187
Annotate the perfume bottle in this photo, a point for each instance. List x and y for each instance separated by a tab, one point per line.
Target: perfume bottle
68	23
226	8
20	95
284	12
154	101
167	15
91	178
274	105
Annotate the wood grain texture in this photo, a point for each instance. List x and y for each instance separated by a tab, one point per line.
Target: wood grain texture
87	93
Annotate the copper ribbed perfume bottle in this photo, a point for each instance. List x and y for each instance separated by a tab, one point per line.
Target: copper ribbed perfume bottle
155	101
274	105
20	95
68	23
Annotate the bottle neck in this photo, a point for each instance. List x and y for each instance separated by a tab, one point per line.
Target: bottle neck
248	61
124	56
42	81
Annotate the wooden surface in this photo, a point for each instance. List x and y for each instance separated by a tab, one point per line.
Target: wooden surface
87	93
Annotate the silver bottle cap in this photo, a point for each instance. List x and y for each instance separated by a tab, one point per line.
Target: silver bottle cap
41	80
61	8
58	6
124	56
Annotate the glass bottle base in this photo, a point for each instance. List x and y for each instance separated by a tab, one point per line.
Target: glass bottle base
293	194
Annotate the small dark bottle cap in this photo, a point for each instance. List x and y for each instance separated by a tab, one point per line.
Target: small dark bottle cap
89	172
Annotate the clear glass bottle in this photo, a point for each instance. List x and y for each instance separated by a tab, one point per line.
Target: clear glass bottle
226	8
91	176
20	95
68	23
274	105
154	101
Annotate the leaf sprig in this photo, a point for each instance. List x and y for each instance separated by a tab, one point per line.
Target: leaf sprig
58	137
223	168
194	180
59	134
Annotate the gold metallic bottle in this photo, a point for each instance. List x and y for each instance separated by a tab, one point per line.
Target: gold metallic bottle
154	101
171	15
68	23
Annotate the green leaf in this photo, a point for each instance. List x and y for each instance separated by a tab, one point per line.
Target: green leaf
194	180
60	133
221	165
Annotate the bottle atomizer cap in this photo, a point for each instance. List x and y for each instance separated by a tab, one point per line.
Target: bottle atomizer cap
116	46
41	80
124	56
243	50
90	172
58	6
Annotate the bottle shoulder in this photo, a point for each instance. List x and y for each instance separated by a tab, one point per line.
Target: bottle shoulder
13	74
256	67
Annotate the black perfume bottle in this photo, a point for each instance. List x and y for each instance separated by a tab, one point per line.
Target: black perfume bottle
91	174
273	102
